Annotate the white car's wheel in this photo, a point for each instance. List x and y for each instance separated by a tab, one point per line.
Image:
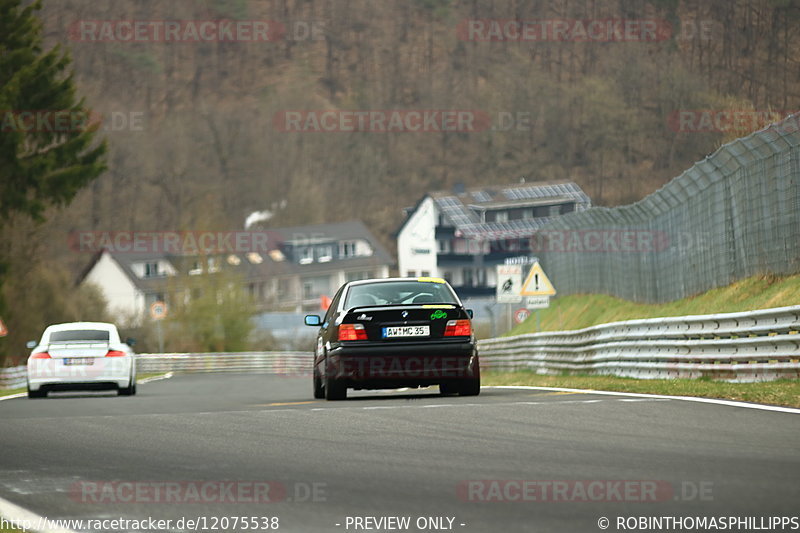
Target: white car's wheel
130	390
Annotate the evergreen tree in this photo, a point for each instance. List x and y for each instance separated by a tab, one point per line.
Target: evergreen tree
48	147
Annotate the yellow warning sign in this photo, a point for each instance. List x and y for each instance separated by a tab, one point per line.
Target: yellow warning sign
537	283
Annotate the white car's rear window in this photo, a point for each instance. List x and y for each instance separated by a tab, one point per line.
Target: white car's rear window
79	335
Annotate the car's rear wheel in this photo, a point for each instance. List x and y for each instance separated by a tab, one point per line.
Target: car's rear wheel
37	393
470	387
335	389
130	390
448	388
319	391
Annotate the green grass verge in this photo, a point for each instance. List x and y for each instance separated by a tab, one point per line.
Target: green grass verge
583	310
9	392
783	392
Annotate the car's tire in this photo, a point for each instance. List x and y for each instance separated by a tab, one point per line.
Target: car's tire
470	387
37	393
319	390
130	390
447	388
335	390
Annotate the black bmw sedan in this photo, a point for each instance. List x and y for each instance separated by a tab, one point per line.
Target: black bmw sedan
396	332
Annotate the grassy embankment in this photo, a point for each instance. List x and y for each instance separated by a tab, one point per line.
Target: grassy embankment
580	311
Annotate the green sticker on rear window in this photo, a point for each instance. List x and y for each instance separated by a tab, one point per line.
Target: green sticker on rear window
438	314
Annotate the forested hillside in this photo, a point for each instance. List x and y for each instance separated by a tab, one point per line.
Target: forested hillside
197	141
208	152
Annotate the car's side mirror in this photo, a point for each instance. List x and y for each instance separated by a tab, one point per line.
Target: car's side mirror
313	320
31	344
471	313
130	341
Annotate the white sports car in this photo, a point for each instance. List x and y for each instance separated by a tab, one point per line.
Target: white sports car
81	356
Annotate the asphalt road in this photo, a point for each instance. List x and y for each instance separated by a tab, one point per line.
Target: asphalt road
399	454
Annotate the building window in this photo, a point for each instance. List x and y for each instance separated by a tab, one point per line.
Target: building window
151	270
468	280
347	249
527	214
411	274
501	216
324	253
443	247
308	290
305	256
283	288
567	208
425	274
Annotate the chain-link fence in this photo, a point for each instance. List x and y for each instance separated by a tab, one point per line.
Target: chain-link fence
734	214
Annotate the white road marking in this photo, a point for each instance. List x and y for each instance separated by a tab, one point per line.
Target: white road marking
155	378
730	403
16	514
145	380
12	396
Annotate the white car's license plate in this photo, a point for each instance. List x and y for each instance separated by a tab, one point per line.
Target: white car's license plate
406	331
78	361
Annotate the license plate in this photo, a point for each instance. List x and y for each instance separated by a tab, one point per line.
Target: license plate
69	361
406	331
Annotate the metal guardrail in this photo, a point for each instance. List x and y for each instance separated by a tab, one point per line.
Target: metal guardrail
741	347
13	378
280	363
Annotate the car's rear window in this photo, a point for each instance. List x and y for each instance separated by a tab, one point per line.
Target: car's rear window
399	292
79	335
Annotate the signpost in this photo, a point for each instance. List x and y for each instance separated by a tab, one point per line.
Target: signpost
509	281
537	289
158	311
521	315
537	283
537	302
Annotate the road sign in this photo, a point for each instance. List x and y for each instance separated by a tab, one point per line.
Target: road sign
158	310
521	315
3	329
509	281
537	302
537	283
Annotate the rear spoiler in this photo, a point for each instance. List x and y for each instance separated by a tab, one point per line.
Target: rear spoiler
401	307
67	344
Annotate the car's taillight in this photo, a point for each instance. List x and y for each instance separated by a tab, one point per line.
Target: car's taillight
352	332
40	355
458	328
115	353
